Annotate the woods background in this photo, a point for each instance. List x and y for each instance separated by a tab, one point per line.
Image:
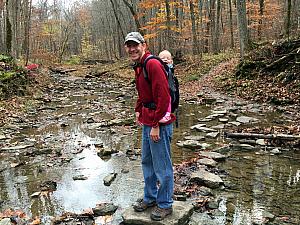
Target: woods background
53	31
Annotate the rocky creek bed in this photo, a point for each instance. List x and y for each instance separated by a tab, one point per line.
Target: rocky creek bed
75	158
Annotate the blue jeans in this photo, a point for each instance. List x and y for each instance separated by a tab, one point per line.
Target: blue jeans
157	167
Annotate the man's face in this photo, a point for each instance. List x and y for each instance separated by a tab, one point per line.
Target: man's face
135	50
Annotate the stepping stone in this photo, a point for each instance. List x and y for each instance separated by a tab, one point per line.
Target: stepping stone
246	119
207	162
210	180
213	155
182	212
195	138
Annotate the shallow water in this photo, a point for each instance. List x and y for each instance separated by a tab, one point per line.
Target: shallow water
258	180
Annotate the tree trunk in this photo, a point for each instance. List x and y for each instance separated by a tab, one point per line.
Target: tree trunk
168	24
288	19
216	45
8	30
27	18
196	49
231	24
134	15
260	21
212	18
200	24
242	25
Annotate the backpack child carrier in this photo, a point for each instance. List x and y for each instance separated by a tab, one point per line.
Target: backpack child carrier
172	81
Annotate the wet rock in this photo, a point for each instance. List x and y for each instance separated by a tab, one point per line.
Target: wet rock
104	209
246	119
275	151
235	123
195	138
48	186
208	100
90	120
104	152
216	213
205	146
268	215
205	191
2	137
213	204
208	179
5	221
80	177
205	129
207	162
203	218
98	144
121	122
197	126
64	125
223	120
218	127
35	194
109	179
212	134
213	155
19	147
125	170
74	219
205	119
244	147
247	141
191	144
133	152
180	197
260	142
220	112
182	212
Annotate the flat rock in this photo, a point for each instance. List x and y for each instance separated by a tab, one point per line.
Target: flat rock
212	134
207	162
210	180
2	137
182	212
205	129
19	147
191	144
246	119
213	155
195	138
197	126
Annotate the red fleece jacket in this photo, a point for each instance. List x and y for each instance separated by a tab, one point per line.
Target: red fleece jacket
155	89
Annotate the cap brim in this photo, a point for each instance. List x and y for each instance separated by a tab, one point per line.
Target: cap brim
132	39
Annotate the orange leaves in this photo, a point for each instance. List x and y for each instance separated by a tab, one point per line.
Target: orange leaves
11	213
18	216
36	221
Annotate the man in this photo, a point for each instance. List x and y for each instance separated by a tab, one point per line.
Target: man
152	105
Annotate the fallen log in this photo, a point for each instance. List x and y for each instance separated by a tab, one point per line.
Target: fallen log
262	136
283	60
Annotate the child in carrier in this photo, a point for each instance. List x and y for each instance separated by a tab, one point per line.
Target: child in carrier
166	57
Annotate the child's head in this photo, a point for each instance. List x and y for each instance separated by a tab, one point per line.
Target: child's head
166	56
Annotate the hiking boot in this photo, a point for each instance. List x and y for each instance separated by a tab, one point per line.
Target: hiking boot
160	213
141	206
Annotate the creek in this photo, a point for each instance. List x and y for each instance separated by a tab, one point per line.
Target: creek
60	140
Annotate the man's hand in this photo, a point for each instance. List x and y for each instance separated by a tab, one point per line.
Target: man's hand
154	134
137	115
